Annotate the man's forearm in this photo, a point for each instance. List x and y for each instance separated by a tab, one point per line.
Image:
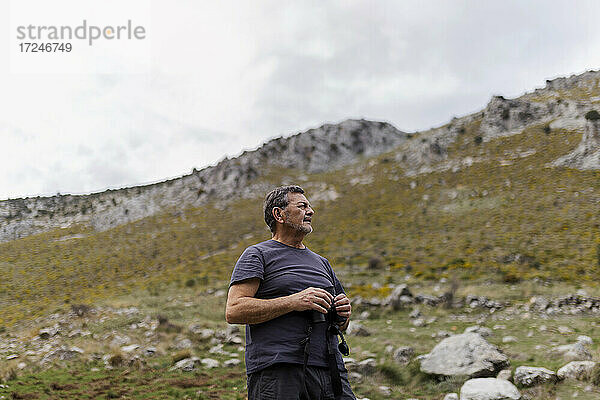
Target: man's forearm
250	310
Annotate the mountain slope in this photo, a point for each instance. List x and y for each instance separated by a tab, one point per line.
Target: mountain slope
464	201
330	146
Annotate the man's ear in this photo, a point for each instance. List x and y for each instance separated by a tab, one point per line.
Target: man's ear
277	214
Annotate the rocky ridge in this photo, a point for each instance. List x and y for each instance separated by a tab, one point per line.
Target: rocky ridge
328	147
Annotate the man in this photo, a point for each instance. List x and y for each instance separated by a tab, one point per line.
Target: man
282	291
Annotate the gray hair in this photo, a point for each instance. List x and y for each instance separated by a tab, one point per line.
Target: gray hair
278	198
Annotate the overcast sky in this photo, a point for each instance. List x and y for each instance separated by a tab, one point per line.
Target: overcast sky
218	77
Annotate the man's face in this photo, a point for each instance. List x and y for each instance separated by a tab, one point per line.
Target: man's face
298	213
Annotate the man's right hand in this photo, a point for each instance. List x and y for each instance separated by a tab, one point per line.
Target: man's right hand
312	299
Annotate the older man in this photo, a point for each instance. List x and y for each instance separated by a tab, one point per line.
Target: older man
284	292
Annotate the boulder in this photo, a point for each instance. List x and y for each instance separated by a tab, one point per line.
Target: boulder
573	352
400	297
209	363
583	339
451	396
531	376
489	389
187	364
482	330
465	354
505	374
579	370
366	367
402	355
357	329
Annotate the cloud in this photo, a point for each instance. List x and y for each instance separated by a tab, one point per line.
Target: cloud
226	76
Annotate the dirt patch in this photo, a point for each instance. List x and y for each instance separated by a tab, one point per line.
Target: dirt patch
186	383
66	386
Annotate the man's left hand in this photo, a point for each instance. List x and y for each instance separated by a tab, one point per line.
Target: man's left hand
343	306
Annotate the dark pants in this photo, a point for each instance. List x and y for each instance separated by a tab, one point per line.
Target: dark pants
285	382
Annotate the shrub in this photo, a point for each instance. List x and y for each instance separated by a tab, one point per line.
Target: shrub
375	263
190	283
478	139
547	129
592	115
116	360
181	355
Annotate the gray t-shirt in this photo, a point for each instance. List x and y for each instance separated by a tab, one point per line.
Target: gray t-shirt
285	270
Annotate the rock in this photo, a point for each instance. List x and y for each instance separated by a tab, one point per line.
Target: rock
232	330
130	348
367	367
573	352
580	370
47	333
586	155
465	354
402	355
509	339
62	354
355	377
187	364
364	315
357	329
385	390
21	365
504	117
209	363
441	334
451	396
482	330
149	351
183	344
232	362
400	297
416	313
119	341
585	340
419	322
565	330
12	356
505	374
531	376
489	389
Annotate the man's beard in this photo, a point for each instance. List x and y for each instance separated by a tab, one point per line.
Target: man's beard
300	228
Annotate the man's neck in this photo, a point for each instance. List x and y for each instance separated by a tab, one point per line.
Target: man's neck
293	239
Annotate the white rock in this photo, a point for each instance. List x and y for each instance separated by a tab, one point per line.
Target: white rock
130	348
579	370
232	362
585	340
509	339
489	389
565	330
357	329
573	352
385	390
505	374
451	396
482	330
530	376
464	354
210	363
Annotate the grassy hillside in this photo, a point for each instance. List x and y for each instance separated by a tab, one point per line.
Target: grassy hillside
507	217
465	224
